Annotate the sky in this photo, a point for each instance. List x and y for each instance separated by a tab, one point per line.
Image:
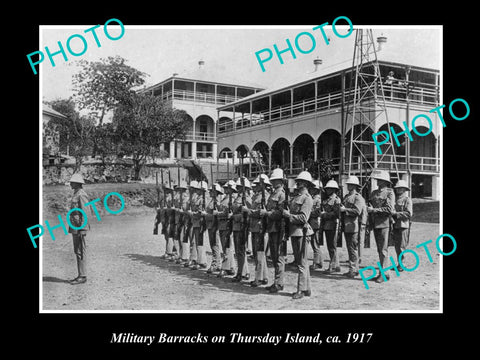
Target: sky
160	51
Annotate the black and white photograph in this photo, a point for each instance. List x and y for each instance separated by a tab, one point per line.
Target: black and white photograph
235	179
285	168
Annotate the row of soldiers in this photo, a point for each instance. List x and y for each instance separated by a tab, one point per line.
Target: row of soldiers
230	212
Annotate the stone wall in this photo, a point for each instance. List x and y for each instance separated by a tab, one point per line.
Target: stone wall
97	172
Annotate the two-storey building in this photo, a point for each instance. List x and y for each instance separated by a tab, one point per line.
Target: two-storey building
199	93
292	125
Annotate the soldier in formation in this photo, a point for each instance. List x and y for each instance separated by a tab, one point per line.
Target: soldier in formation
229	214
381	207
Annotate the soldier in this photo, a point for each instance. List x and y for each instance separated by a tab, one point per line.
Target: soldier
363	219
78	200
184	226
188	222
168	224
300	231
240	206
402	214
314	222
178	218
352	207
225	228
198	226
257	228
273	212
329	222
382	205
211	223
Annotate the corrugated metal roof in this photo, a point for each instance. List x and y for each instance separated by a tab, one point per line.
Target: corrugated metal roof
48	110
314	75
209	75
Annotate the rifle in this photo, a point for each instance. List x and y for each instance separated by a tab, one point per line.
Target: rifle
163	190
214	191
262	203
286	222
169	181
340	217
157	216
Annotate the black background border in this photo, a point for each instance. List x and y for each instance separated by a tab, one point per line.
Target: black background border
398	332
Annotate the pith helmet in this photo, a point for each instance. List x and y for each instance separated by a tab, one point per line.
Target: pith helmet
216	187
181	186
401	184
317	184
352	179
77	178
305	176
194	184
202	185
332	184
276	174
265	179
381	175
246	182
230	184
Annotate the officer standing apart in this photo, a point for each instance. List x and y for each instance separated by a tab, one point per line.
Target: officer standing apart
382	205
402	215
314	222
278	247
329	223
78	200
352	206
300	231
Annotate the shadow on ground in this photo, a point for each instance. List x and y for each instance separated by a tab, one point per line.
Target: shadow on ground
203	278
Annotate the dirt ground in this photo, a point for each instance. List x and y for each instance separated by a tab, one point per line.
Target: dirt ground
125	273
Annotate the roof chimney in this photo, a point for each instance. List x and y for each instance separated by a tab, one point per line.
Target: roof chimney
317	62
201	63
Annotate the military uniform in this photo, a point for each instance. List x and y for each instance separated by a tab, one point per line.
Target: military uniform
240	234
197	231
225	232
314	222
78	200
329	224
170	225
211	224
278	247
300	232
178	217
403	214
383	202
354	203
257	228
185	228
363	218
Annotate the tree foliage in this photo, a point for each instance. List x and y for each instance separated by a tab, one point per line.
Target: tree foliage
75	132
100	85
142	122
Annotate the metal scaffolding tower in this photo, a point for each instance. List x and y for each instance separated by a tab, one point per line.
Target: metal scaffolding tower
365	104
